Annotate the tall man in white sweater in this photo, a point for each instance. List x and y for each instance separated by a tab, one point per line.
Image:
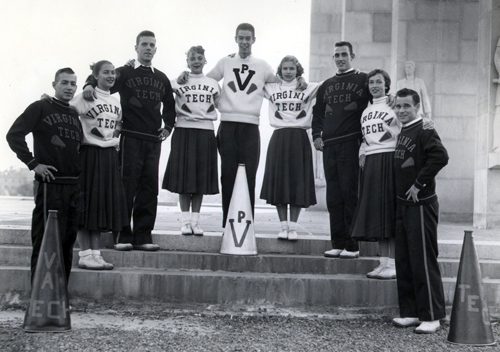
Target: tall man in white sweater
241	99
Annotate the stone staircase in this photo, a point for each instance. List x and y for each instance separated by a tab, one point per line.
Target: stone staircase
288	274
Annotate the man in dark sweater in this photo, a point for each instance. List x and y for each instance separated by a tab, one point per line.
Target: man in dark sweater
419	156
57	134
336	130
146	98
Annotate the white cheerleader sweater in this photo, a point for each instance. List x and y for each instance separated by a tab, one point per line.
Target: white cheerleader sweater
99	118
289	107
195	102
243	88
380	128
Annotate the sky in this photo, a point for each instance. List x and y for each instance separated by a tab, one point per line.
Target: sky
42	36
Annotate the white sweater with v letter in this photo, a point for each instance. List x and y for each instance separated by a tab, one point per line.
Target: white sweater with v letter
243	87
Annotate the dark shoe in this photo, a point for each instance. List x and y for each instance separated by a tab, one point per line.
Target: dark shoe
123	247
147	247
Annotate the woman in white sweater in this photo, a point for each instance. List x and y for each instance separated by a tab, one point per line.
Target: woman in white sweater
192	165
375	216
288	176
100	181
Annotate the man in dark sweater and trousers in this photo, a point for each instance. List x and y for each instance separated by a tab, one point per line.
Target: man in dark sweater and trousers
336	130
419	156
57	134
146	98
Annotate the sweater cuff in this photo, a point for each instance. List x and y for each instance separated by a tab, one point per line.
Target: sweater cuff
32	164
418	185
315	136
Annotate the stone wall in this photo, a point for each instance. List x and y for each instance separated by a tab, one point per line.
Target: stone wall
441	38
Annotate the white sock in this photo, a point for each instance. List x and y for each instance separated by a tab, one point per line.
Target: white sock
284	225
195	218
185	217
383	261
293	226
85	253
391	262
96	251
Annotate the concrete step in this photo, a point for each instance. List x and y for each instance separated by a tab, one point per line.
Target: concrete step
234	288
210	242
219	287
262	263
266	243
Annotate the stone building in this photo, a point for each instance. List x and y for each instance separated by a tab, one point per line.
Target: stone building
453	45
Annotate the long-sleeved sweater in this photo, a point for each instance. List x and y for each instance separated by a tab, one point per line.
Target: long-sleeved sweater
243	88
340	102
195	102
380	128
57	135
143	91
99	118
418	158
289	107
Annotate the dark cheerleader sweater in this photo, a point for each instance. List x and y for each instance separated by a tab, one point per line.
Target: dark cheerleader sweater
418	158
340	102
142	93
56	133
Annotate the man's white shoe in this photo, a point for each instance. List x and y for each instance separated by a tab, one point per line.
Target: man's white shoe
349	255
292	235
428	327
405	322
333	253
283	234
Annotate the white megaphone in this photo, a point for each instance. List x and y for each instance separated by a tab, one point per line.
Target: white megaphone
239	234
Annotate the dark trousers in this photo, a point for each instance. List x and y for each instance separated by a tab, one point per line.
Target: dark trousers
67	200
238	143
420	289
139	166
341	165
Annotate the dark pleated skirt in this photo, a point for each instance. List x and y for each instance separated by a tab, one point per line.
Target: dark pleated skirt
105	203
192	164
289	175
375	216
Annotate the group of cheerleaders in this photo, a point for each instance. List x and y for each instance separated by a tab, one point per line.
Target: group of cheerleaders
192	165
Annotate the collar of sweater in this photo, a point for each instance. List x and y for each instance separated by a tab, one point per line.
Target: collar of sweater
345	73
292	83
411	123
102	92
196	75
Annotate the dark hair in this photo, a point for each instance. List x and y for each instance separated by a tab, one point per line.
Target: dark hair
246	27
198	49
384	74
293	59
403	93
67	70
96	67
344	43
143	34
